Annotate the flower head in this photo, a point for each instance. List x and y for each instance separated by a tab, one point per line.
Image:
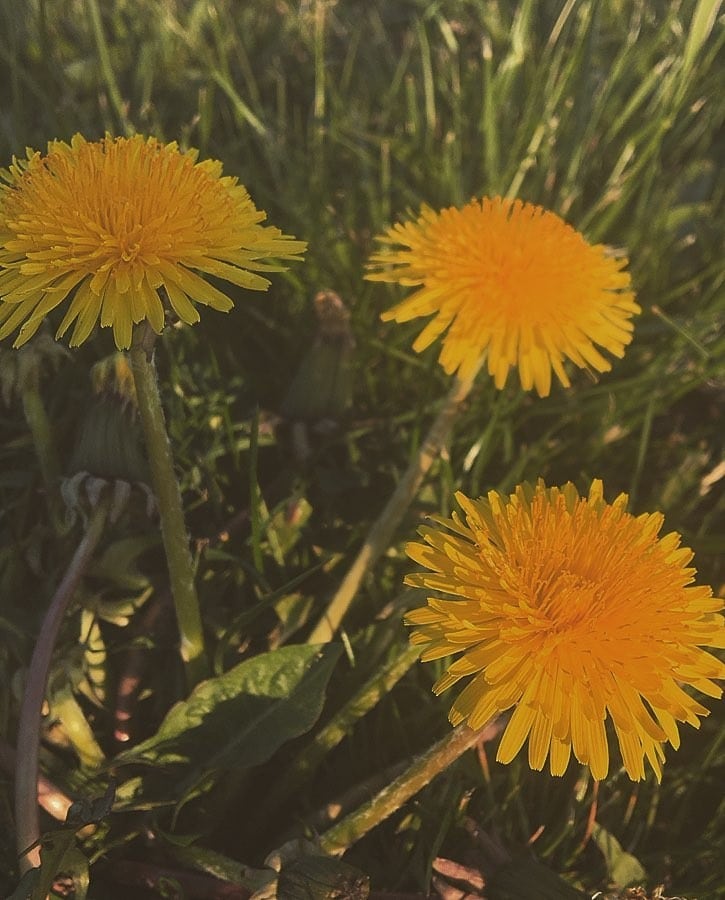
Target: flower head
116	229
511	280
572	611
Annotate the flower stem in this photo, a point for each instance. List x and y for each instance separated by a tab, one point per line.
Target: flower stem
29	727
423	770
168	497
381	533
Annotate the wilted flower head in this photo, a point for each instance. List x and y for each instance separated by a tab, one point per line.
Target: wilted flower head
510	280
116	228
572	611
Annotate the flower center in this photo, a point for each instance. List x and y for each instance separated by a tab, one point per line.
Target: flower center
129	253
568	601
561	608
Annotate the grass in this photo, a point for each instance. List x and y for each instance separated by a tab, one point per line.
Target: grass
340	117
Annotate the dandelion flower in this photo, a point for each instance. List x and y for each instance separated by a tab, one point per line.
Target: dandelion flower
510	280
572	611
119	230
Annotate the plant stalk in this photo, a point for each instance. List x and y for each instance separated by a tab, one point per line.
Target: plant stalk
381	533
168	498
31	710
423	770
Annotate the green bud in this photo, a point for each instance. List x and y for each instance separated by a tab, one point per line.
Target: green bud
107	454
112	375
109	443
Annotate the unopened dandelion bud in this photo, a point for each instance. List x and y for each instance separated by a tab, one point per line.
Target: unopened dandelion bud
107	455
113	375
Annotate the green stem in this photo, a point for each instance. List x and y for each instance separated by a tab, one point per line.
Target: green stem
30	724
381	533
423	770
168	498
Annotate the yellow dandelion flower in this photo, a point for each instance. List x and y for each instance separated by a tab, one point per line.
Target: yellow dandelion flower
120	228
513	281
572	611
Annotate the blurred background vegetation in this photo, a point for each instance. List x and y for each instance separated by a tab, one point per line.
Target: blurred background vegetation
342	117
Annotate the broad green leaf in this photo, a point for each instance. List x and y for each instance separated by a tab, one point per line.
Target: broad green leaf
25	886
59	854
624	869
55	848
75	865
242	717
